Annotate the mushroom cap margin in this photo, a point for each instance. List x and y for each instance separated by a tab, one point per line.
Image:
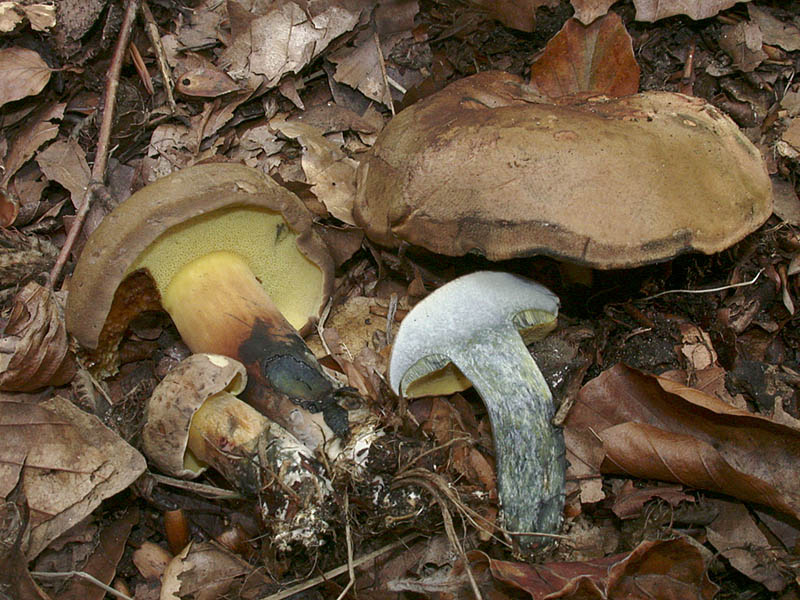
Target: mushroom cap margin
175	401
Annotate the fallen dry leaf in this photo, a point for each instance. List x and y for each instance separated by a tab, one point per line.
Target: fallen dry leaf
331	173
653	10
15	580
774	31
22	73
595	59
206	81
287	38
42	127
34	350
735	535
102	563
661	569
630	500
67	460
742	42
628	422
587	11
65	163
207	571
515	14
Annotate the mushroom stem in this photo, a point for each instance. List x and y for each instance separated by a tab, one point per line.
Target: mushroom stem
225	434
220	307
530	454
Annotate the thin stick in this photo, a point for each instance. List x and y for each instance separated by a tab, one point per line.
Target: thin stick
707	290
342	569
103	141
349	537
82	575
387	93
161	57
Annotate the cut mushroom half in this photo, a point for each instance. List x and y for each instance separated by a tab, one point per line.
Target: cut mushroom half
194	421
473	331
232	257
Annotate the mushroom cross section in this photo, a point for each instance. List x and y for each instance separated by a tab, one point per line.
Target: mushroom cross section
473	330
234	260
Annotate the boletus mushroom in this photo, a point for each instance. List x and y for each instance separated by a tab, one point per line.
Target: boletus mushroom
195	420
232	257
487	166
472	331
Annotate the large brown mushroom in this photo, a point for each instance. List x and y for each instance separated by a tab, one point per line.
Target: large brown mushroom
486	166
232	257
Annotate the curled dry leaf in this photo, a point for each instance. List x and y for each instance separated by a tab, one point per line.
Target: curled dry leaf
206	571
331	173
595	59
65	162
22	73
587	11
67	460
515	14
653	10
662	569
34	350
628	422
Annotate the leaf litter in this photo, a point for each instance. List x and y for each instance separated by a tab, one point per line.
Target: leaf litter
300	90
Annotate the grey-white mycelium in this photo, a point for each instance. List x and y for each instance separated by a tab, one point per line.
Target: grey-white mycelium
473	330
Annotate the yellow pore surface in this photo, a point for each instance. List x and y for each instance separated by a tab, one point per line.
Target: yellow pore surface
261	237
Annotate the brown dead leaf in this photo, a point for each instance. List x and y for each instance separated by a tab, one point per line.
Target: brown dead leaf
102	564
67	460
34	350
662	569
331	173
735	535
774	31
653	10
287	38
207	571
360	69
587	11
513	13
649	427
742	42
15	580
22	73
206	81
595	59
630	500
65	162
42	127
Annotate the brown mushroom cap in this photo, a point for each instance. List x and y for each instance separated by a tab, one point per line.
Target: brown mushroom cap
200	209
175	401
484	166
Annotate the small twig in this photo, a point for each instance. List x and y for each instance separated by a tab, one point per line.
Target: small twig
81	574
707	290
207	491
387	93
393	301
161	57
340	570
103	141
349	537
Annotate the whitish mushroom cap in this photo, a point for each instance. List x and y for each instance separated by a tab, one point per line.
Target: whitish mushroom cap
202	209
452	317
484	166
175	401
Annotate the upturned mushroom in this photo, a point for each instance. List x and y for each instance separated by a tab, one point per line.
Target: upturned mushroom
195	420
487	166
472	331
232	257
